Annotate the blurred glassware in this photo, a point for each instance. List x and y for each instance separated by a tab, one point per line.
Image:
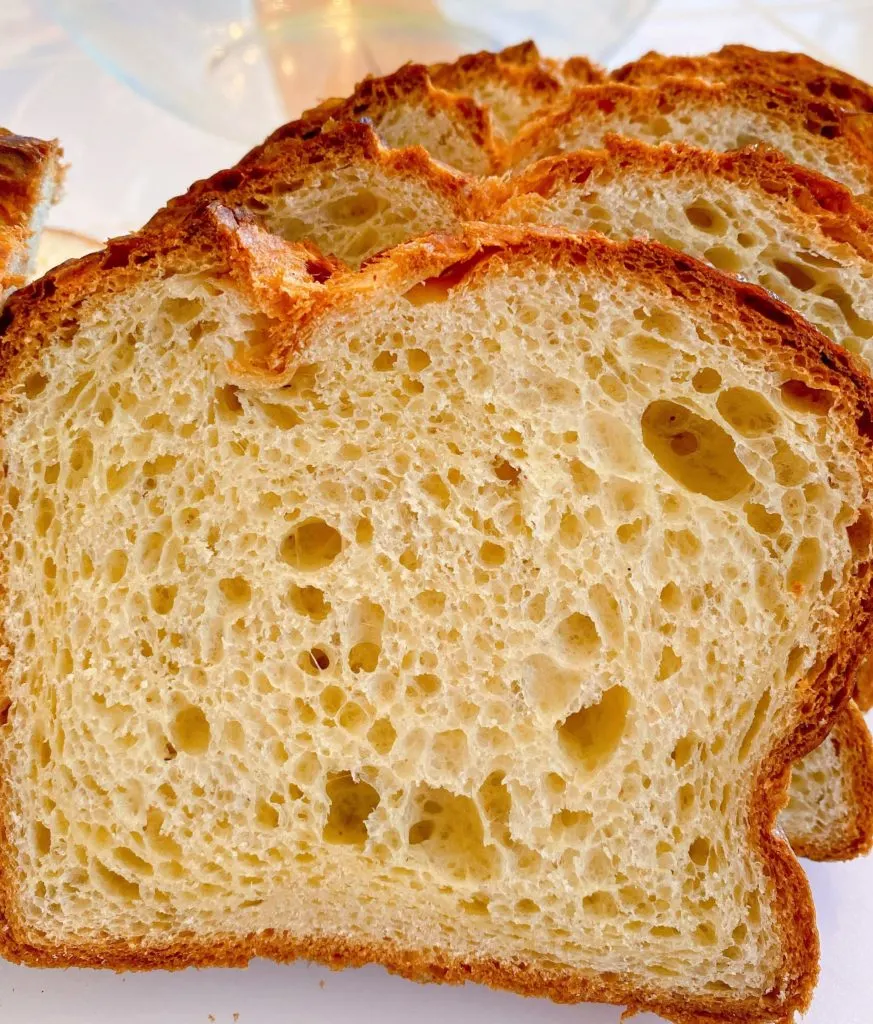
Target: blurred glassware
238	68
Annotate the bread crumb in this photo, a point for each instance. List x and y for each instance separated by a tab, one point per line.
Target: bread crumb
236	1017
321	983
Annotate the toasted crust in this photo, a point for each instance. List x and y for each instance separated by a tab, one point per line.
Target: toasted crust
582	71
30	174
804	195
288	282
374	97
294	162
855	749
788	70
837	132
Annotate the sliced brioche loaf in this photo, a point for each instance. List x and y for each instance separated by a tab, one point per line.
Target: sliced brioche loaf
407	109
788	70
342	190
423	591
30	178
717	116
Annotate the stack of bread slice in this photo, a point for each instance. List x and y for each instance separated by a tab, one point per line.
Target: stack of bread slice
438	539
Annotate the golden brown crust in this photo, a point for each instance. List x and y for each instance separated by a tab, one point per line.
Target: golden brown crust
374	97
854	747
29	168
842	135
779	68
804	196
294	162
287	282
582	71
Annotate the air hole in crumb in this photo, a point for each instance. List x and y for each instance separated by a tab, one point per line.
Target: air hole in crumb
579	637
382	736
806	566
417	359
706	381
492	554
385	361
162	598
190	731
434	486
351	804
590	736
505	471
747	412
236	590
712	468
758	719
309	601
311	545
767	523
34	385
364	657
669	665
798	395
699	851
860	534
449	831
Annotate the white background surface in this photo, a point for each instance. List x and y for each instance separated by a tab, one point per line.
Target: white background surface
127	157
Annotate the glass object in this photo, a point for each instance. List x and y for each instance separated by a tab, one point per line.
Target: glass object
237	68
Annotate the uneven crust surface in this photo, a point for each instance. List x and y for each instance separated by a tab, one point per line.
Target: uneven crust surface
342	190
450	550
718	116
407	109
788	70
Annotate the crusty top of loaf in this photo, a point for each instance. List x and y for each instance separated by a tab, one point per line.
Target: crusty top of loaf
792	70
835	130
802	193
374	97
290	162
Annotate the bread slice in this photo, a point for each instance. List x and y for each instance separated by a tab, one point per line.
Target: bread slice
407	109
788	70
515	83
30	178
802	237
829	814
342	190
511	91
417	590
718	116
